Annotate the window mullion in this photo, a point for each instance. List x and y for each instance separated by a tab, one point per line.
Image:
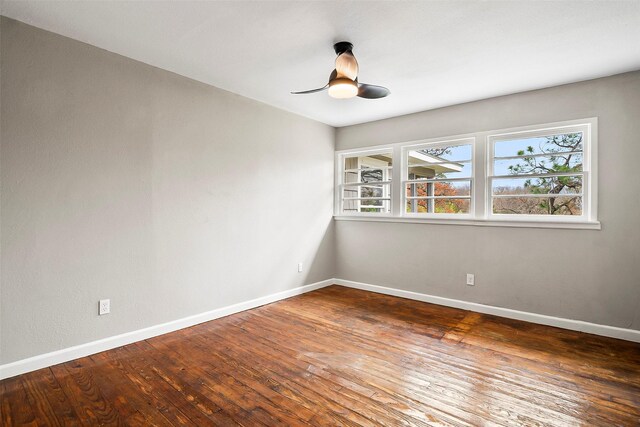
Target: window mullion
398	173
480	171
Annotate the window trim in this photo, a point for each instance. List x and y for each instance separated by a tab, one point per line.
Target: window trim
340	184
589	214
482	163
435	143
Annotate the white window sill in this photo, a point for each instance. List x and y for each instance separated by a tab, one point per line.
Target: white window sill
574	225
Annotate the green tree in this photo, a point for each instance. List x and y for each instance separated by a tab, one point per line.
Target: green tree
559	154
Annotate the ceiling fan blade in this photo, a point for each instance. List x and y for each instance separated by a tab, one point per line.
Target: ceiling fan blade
346	65
304	92
333	75
372	91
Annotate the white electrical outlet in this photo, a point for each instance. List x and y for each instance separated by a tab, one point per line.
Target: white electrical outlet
299	267
470	279
104	307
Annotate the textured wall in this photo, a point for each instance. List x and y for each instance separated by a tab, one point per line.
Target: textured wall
576	274
169	197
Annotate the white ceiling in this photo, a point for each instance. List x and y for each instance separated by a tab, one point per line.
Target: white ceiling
429	53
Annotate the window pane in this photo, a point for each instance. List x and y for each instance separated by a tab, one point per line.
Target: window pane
371	168
373	208
558	143
559	153
369	192
373	175
446	197
367	198
558	163
560	205
570	184
440	171
448	206
441	154
373	190
439	188
439	164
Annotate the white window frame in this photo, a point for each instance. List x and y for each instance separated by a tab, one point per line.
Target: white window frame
480	213
386	188
437	143
589	213
340	184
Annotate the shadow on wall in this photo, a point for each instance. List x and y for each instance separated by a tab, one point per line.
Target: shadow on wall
323	258
315	249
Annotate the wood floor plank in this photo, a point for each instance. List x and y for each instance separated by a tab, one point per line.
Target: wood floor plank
16	409
341	356
192	381
267	387
340	394
323	312
296	381
43	412
302	399
127	398
43	389
275	349
139	372
318	310
396	376
76	379
5	408
248	393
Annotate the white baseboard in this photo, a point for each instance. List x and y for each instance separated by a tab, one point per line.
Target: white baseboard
60	356
574	325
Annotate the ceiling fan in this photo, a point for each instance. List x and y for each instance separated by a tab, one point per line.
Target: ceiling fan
343	81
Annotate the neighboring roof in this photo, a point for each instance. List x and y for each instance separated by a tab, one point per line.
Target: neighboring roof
434	163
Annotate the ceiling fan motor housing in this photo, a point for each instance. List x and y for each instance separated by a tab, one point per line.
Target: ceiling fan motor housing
342	47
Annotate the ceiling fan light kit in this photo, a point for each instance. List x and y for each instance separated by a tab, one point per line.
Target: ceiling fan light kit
342	88
343	81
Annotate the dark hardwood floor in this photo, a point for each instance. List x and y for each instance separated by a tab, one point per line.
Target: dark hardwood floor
340	356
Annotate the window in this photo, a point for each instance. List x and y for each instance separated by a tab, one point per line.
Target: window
530	176
439	177
366	184
539	173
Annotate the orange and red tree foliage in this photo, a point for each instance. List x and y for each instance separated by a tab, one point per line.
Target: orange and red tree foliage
440	205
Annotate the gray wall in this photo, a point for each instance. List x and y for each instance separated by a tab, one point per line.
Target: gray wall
168	196
576	274
171	197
